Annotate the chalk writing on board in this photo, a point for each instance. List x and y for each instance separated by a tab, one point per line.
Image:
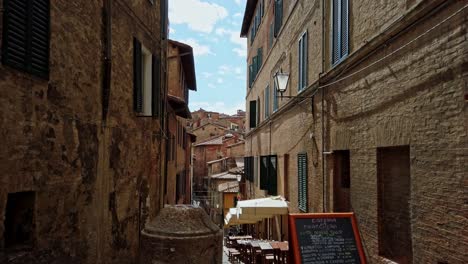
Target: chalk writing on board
327	241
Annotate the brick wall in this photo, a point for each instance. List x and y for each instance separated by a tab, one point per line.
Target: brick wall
413	98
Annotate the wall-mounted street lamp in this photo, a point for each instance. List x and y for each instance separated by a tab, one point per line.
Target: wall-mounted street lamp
281	80
239	177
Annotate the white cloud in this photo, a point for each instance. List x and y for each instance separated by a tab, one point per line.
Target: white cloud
238	70
172	30
198	49
240	52
198	15
238	15
224	69
240	2
207	74
220	80
211	85
234	37
220	107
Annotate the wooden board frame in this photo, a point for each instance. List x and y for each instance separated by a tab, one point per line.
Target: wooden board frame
294	247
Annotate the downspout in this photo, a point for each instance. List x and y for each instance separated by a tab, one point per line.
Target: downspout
322	111
107	63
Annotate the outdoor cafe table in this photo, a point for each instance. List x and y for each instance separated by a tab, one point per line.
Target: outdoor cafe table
267	251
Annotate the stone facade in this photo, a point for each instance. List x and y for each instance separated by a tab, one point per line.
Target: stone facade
403	85
95	179
181	79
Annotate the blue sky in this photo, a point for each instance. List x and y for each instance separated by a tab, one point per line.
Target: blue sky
212	28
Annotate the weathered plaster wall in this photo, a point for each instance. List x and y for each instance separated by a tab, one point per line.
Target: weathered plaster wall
91	181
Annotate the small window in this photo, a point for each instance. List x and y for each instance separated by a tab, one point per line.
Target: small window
302	181
26	32
253	114
278	16
146	81
268	174
303	58
267	101
340	30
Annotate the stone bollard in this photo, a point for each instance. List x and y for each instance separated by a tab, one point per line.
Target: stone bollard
181	234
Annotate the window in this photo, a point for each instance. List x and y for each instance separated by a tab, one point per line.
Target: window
275	97
249	175
340	30
26	36
278	16
302	181
303	58
341	181
258	110
271	35
267	101
268	174
19	219
146	79
253	114
254	68
394	185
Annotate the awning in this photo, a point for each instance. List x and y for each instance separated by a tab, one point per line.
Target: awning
275	205
255	210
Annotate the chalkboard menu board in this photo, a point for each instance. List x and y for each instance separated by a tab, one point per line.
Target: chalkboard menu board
326	239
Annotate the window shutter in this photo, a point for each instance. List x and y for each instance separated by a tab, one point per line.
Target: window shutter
137	77
258	110
344	28
299	61
302	181
270	35
26	36
251	75
15	34
255	67
275	97
39	37
336	31
264	181
267	101
259	58
278	16
253	114
156	86
272	176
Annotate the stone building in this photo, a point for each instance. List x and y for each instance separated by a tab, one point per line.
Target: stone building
181	79
83	90
373	119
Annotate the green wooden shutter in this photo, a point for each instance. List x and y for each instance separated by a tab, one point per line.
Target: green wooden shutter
267	102
271	35
156	86
137	77
344	28
302	181
255	67
259	58
264	181
253	114
251	75
336	31
272	175
278	16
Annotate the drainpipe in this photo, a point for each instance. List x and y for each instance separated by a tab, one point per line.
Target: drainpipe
106	82
322	112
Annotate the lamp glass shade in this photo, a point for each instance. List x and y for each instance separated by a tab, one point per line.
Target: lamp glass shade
239	177
281	80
